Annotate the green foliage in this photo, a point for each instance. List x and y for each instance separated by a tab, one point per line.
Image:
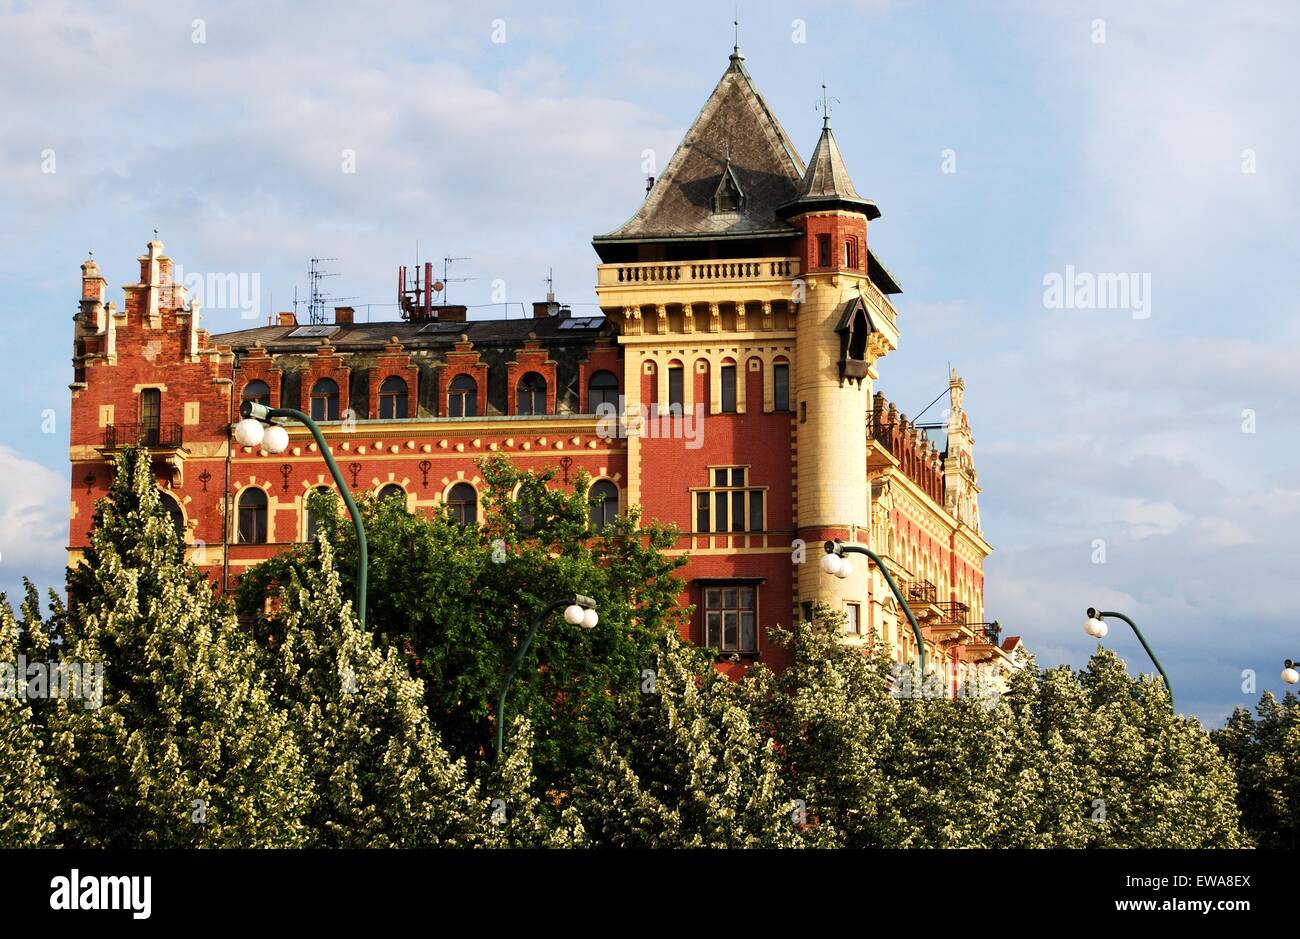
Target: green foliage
187	748
457	602
1057	760
380	775
1263	752
29	803
1163	782
689	768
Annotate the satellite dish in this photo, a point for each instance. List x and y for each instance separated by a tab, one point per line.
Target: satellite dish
439	286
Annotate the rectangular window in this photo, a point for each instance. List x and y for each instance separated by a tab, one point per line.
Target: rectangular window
781	386
854	624
730	504
150	417
675	394
823	250
807	606
731	618
729	389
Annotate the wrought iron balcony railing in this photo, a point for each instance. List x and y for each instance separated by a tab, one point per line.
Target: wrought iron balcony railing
954	611
922	591
150	436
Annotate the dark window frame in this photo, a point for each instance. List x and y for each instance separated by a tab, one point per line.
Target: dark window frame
727	388
462	401
781	386
263	398
602	512
465	511
329	410
677	389
605	393
530	394
253	520
739	600
392	400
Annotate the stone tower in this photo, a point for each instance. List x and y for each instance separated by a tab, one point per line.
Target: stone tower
843	326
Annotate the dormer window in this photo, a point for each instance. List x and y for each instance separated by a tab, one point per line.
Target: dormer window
728	197
855	329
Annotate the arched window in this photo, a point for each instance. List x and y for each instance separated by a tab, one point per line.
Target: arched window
325	400
173	510
314	518
462	397
602	388
392	398
257	391
603	497
463	502
393	491
531	394
252	516
150	416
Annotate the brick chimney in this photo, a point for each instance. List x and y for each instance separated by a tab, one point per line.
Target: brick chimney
344	315
287	318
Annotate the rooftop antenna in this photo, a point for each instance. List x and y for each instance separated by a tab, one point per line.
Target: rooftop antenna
317	301
446	266
551	306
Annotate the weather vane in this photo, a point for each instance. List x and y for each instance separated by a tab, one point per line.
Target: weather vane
824	105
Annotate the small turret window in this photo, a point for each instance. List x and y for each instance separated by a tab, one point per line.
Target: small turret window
823	250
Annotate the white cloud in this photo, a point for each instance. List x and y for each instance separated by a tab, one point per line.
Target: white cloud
33	523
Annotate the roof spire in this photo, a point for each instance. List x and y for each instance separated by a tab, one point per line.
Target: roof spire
736	54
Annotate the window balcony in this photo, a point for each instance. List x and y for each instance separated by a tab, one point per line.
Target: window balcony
149	436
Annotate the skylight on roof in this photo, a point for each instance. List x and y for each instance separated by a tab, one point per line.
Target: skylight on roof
437	328
313	332
583	322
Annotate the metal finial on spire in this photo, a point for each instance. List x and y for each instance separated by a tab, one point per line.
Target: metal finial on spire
736	54
825	106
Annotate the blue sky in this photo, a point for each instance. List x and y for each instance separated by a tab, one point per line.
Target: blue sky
1122	156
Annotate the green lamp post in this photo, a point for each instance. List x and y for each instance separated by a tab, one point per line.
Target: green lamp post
1096	627
578	610
837	564
253	431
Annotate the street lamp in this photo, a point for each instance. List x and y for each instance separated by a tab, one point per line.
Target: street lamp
837	564
578	611
253	431
1289	673
1096	627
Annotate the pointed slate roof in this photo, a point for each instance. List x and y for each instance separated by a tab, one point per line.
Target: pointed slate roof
737	126
827	183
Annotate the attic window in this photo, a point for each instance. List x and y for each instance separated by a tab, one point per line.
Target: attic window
728	197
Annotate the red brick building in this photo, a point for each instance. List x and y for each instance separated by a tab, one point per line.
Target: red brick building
744	316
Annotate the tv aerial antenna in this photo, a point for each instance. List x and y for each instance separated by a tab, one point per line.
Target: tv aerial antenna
317	299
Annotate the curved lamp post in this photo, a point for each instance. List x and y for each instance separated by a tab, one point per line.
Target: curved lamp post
1289	673
253	431
578	610
1096	627
837	564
